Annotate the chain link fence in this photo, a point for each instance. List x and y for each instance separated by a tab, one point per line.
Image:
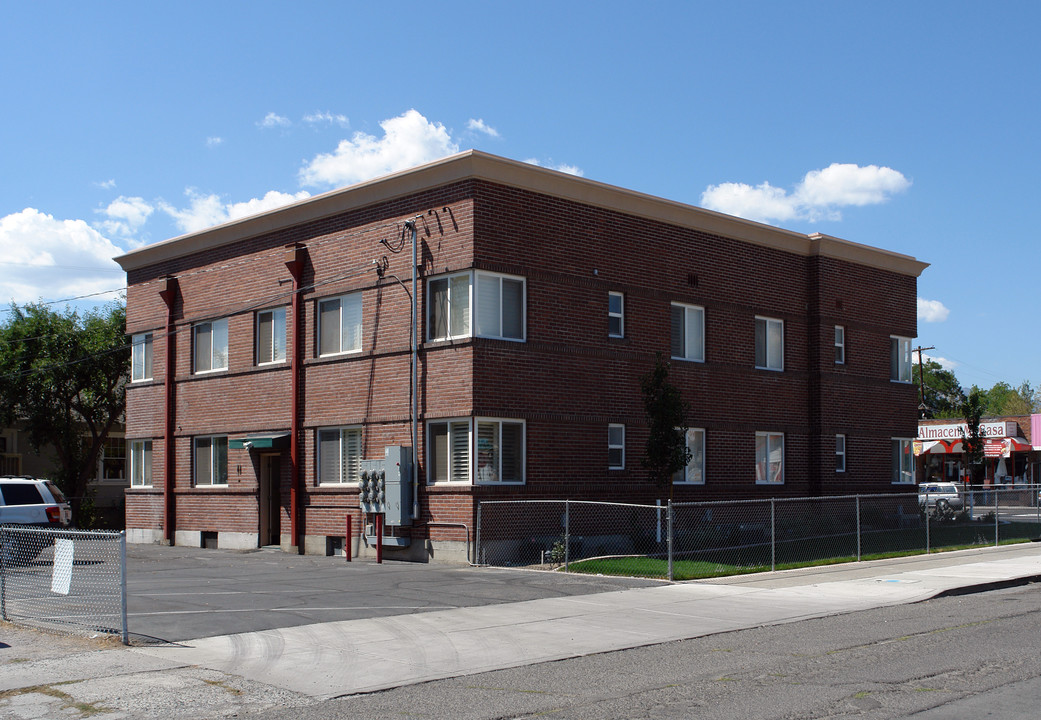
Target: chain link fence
706	539
70	581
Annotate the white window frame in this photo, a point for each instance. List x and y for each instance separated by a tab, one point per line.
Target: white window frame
349	453
107	457
900	359
615	316
615	443
840	453
277	340
349	326
140	463
694	471
214	469
903	461
693	344
457	436
457	306
769	363
840	345
492	474
490	322
141	357
218	346
764	448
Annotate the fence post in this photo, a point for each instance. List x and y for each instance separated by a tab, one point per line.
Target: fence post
773	536
3	573
997	494
927	546
123	584
477	537
858	528
567	536
670	538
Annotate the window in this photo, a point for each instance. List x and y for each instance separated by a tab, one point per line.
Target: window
271	336
903	461
769	458
616	447
140	463
500	306
899	359
694	472
448	314
339	455
840	345
840	453
339	324
211	345
141	357
497	448
114	459
615	314
688	332
769	344
449	451
211	460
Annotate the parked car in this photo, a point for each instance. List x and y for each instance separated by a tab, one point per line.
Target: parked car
940	499
30	502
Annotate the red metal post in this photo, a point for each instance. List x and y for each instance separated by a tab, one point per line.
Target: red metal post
347	541
295	264
379	537
169	297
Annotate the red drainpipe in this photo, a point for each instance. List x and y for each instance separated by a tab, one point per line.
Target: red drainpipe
169	296
295	260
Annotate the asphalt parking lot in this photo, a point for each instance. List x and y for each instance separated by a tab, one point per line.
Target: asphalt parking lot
179	593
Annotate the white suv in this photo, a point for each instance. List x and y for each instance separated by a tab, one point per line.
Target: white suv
28	501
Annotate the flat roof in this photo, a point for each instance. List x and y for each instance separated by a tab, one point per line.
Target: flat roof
474	164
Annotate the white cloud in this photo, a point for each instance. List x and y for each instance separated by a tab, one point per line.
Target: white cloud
54	259
126	216
479	125
944	362
932	310
408	140
205	211
820	195
214	141
106	184
327	118
274	120
561	167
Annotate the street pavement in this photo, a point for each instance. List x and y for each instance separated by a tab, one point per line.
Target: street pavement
313	662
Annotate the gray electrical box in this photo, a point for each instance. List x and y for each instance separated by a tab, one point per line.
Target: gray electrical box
385	486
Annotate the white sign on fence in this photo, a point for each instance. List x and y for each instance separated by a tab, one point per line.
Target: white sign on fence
61	579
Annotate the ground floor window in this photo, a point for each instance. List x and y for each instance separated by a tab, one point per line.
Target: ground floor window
840	453
140	463
769	458
616	447
339	455
211	460
694	472
903	461
484	450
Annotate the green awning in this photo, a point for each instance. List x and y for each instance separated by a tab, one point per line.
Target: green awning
268	441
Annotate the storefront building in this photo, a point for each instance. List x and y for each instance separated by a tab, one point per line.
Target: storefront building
1010	456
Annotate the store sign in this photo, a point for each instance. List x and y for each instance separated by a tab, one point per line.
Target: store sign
958	430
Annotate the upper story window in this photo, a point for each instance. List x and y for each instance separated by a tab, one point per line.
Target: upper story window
615	314
210	345
769	458
615	447
114	459
141	357
211	460
769	343
339	455
271	336
899	359
903	461
497	449
688	332
140	463
840	453
840	345
694	472
496	305
339	324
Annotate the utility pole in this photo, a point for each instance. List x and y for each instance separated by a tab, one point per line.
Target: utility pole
922	407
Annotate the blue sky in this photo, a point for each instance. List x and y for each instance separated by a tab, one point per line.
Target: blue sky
911	126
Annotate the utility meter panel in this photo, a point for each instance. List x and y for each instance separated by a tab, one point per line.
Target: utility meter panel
385	486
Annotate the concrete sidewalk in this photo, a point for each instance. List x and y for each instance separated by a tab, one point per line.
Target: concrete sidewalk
341	658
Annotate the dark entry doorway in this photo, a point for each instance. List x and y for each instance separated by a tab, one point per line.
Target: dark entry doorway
270	531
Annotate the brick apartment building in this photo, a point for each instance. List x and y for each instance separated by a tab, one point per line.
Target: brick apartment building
272	356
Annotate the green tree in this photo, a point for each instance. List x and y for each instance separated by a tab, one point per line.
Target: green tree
1003	399
943	393
972	411
62	378
667	452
